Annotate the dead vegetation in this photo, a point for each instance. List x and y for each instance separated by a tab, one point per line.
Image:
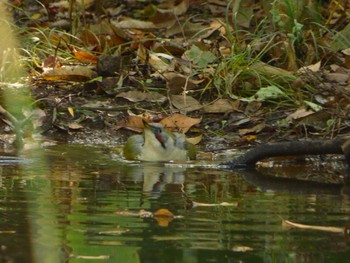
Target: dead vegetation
231	74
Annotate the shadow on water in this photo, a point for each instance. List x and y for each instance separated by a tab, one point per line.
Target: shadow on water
290	185
87	204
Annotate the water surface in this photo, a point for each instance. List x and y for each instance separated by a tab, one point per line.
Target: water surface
85	205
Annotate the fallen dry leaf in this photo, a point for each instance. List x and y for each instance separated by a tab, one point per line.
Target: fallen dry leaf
300	113
71	111
136	96
130	23
254	130
134	123
51	62
248	138
65	4
337	77
170	6
75	126
252	107
313	68
84	57
222	106
180	122
185	103
146	57
346	53
68	73
318	120
195	140
177	83
272	71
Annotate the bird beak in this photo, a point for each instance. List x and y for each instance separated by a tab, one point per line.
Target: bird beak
145	123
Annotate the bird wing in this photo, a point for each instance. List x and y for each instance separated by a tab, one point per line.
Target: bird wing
182	143
133	147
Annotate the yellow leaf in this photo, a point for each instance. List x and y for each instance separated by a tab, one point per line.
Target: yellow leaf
195	140
71	111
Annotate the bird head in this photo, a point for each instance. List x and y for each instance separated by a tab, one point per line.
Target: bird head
158	132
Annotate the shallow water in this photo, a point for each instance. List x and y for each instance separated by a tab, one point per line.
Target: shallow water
85	205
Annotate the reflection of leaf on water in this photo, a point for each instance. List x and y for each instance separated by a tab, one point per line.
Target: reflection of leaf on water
162	216
100	257
117	231
196	204
241	248
141	213
289	224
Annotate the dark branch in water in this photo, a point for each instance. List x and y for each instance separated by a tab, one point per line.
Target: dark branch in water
297	148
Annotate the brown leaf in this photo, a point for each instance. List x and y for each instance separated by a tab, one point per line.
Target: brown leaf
75	126
170	6
222	106
149	58
248	138
337	77
180	122
317	120
300	113
165	20
253	107
138	36
103	34
136	96
69	73
86	4
346	53
254	130
177	83
185	103
84	57
134	123
311	68
130	23
51	62
272	71
191	29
